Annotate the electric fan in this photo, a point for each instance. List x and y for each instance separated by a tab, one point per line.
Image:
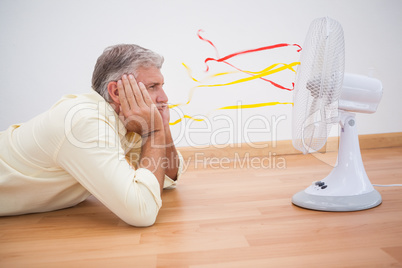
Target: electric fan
324	96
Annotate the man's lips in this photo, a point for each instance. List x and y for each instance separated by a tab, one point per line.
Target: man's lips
161	106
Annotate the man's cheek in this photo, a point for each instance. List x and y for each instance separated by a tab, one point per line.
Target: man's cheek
153	98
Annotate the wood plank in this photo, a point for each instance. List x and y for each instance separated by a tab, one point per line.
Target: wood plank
350	258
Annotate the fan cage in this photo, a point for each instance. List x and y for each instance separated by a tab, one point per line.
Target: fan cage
318	85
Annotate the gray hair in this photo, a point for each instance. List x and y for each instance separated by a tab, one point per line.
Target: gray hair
118	60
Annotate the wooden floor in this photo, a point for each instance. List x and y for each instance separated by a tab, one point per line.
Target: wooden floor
228	217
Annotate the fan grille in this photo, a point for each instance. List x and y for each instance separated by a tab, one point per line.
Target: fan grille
318	85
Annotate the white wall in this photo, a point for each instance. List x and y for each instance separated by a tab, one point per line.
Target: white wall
49	48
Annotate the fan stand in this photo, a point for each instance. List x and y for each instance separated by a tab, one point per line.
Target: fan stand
347	187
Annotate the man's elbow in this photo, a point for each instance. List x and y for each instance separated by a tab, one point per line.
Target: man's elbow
140	219
141	214
142	203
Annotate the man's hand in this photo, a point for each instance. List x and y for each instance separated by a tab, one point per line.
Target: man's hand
171	153
165	113
138	113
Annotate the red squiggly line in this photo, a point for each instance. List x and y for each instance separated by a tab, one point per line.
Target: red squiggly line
250	51
206	40
269	81
245	52
241	52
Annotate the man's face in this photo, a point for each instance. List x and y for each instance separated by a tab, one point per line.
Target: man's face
153	80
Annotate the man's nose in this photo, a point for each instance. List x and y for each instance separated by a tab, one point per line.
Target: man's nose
162	97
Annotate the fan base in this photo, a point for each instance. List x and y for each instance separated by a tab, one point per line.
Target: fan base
337	203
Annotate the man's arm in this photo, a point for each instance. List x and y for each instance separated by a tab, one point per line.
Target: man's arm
134	195
152	153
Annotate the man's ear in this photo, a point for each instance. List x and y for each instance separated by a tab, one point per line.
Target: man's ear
113	91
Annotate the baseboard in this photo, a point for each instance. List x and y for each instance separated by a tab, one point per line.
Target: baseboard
285	147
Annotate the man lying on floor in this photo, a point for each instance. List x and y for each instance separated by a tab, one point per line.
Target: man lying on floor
114	143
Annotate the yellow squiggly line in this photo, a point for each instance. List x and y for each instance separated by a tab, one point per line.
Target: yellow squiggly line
247	106
185	116
244	106
263	72
190	74
267	71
